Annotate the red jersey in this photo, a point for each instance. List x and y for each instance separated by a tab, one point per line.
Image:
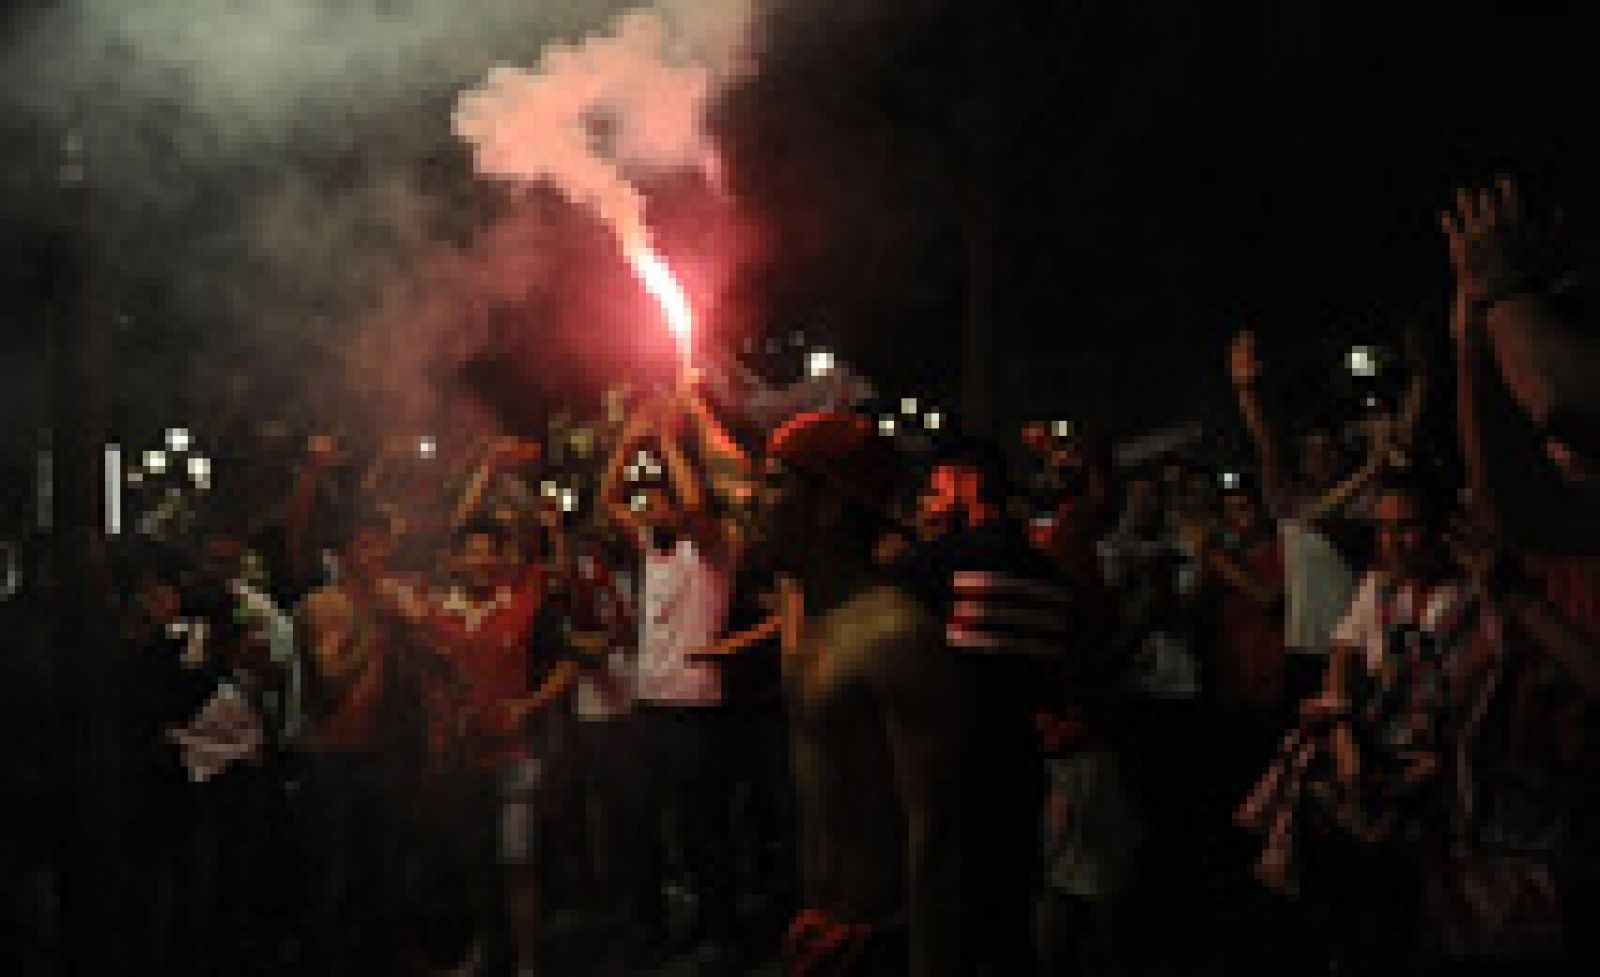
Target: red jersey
488	645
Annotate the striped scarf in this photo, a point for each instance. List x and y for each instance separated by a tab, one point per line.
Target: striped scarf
1365	773
1005	613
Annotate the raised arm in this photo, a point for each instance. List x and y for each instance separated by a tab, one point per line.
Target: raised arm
1263	591
1521	376
501	455
712	432
1418	385
1504	265
688	486
322	453
1380	448
613	500
1244	368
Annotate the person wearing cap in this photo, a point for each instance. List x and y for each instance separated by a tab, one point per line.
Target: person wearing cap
872	695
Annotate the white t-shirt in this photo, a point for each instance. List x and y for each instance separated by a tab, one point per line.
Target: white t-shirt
1318	584
1378	607
684	603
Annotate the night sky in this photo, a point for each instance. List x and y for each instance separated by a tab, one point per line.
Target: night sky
1145	177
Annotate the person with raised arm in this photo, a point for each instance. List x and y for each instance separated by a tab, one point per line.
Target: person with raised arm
1311	501
688	556
1526	363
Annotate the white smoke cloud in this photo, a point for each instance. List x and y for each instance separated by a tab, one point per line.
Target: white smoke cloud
591	116
261	158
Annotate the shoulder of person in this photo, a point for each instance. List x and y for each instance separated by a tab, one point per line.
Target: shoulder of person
891	621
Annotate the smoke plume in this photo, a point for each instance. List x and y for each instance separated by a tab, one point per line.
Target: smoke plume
278	183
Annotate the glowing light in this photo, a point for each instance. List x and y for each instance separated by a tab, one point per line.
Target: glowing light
569	500
1363	361
664	288
155	461
1062	429
113	484
1230	480
819	363
638	501
908	406
200	468
179	439
427	447
549	489
135	476
886	425
934	421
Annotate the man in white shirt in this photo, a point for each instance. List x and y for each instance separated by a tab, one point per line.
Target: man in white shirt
687	559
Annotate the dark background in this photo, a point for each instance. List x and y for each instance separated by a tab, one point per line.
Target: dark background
1142	178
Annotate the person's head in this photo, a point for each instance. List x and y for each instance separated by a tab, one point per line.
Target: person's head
1241	513
936	513
1319	459
828	484
1405	524
658	510
368	547
222	554
966	481
523	545
158	599
1142	500
1199	488
478	555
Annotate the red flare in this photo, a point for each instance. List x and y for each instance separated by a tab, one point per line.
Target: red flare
664	287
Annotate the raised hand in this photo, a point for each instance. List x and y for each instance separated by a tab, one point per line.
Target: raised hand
1381	435
1244	364
1490	241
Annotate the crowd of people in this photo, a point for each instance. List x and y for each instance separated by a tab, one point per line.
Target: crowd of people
1026	710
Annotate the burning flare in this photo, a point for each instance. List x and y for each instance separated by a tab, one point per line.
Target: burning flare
659	282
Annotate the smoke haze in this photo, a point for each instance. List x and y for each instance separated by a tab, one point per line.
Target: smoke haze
277	184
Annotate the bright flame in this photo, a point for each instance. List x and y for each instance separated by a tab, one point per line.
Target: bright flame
660	283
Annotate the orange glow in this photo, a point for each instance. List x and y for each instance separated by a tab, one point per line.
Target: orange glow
660	283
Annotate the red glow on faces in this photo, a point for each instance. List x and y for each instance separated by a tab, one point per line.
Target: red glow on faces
664	288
